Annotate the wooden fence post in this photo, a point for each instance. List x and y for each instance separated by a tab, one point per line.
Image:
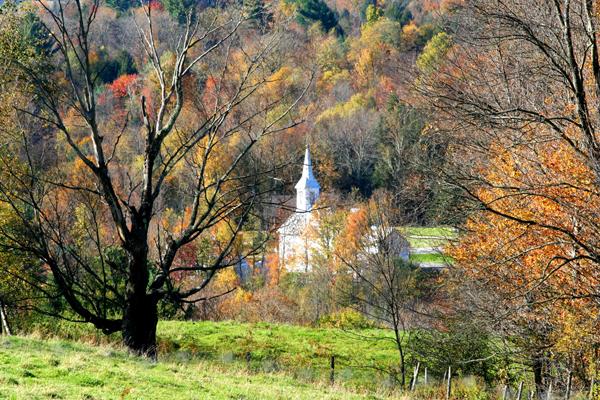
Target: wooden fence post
520	391
415	377
332	370
569	381
449	386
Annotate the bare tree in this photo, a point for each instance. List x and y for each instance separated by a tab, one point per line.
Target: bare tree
161	178
387	287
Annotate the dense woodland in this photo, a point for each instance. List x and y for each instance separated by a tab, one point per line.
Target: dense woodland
149	150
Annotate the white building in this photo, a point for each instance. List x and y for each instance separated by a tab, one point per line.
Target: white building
294	245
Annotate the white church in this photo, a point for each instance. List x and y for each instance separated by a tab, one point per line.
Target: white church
295	248
295	245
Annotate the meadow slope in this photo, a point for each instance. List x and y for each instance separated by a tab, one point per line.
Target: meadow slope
302	352
32	368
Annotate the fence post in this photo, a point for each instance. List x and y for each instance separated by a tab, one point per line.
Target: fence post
569	381
425	377
591	394
505	392
449	386
520	391
415	377
332	370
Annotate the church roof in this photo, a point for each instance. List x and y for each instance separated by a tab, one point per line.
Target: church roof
307	180
295	224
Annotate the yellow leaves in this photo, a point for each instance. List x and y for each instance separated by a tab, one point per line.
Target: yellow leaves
344	110
332	62
434	52
286	8
575	332
409	32
378	32
280	81
226	279
373	13
330	55
334	77
375	49
365	65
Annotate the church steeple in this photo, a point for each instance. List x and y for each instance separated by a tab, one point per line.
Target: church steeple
307	188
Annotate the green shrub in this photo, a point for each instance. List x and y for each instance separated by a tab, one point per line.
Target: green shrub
470	388
346	318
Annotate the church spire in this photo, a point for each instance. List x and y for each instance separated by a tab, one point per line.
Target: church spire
307	188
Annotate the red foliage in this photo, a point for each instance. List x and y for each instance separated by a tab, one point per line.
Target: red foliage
186	257
120	87
155	5
210	90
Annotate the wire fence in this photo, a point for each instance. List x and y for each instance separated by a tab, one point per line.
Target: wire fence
419	384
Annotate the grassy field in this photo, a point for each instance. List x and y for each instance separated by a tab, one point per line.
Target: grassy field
301	352
431	258
420	237
56	369
427	243
440	231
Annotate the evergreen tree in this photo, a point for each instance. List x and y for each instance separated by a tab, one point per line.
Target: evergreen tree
119	5
179	8
125	63
398	11
311	11
259	14
34	33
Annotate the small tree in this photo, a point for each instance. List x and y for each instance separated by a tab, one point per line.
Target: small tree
387	288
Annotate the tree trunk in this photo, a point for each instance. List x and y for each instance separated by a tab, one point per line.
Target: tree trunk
139	326
4	320
140	315
401	353
538	367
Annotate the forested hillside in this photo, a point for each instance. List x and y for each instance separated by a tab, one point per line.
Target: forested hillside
419	173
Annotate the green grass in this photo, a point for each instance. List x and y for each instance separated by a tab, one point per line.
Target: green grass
301	352
419	243
289	344
420	237
57	369
439	231
430	258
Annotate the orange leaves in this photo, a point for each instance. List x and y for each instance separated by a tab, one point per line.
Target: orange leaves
357	226
531	240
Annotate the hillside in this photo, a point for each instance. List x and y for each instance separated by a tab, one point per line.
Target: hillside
37	369
301	352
